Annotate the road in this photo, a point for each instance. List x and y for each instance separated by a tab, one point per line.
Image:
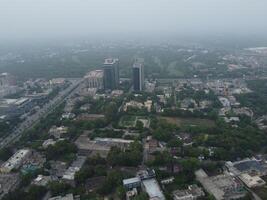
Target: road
43	112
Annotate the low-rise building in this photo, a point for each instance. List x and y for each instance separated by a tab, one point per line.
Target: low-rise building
167	181
147	181
131	194
133	104
69	174
188	103
116	93
243	111
249	171
89	117
225	102
231	119
153	189
132	183
48	142
222	187
248	165
42	180
68	115
251	181
15	161
193	192
66	197
8	183
15	107
148	105
58	132
99	146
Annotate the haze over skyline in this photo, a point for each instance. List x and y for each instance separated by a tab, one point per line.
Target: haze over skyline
65	18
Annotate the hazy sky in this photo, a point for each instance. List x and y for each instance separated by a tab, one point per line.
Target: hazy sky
59	18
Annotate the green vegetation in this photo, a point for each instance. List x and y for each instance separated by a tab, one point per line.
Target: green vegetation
5	154
109	133
257	100
181	140
113	180
178	121
128	121
62	150
131	157
34	192
93	167
59	188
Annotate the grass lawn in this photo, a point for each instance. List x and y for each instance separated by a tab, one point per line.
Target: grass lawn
178	121
128	121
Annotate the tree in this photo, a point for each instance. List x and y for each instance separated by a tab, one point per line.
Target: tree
58	188
113	179
139	125
141	196
130	157
190	165
83	174
5	154
62	149
175	142
36	192
121	192
111	111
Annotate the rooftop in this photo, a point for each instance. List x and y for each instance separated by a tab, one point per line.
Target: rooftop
113	140
131	180
221	185
245	165
75	167
95	73
251	181
110	61
153	190
192	192
66	197
14	160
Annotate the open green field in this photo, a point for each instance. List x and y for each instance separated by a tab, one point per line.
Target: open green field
178	121
128	121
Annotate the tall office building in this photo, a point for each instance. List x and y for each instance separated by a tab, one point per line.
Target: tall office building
138	76
111	74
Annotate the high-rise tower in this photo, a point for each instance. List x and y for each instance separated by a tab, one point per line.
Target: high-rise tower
138	76
111	74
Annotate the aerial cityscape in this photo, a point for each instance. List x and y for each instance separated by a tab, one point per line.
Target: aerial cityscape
160	117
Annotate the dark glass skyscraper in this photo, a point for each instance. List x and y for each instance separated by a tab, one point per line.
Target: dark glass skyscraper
138	76
111	74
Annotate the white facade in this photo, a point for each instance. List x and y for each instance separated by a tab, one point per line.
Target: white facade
15	161
94	79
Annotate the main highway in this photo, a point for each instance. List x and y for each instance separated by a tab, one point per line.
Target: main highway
33	119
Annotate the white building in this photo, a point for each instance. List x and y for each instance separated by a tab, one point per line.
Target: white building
251	181
69	174
153	190
192	193
94	79
15	161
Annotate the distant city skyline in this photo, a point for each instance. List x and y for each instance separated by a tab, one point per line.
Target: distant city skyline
56	19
